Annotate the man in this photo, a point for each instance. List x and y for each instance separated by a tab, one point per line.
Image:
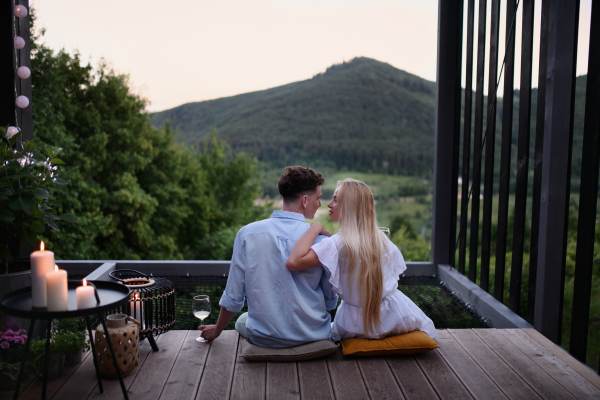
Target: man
285	308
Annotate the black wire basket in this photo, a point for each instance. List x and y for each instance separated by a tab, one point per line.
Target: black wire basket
152	302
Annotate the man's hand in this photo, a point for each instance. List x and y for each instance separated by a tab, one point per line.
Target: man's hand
322	230
209	332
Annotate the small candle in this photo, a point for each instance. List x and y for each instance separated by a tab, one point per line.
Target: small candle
135	305
42	262
57	290
85	296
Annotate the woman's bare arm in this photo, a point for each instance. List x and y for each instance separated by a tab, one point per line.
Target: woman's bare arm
302	256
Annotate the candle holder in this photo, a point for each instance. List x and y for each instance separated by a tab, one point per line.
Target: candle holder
152	302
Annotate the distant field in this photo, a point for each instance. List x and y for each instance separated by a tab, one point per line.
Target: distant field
394	194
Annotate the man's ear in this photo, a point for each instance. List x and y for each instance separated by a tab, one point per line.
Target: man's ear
304	201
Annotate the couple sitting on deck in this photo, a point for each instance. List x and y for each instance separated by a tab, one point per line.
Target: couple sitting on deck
290	271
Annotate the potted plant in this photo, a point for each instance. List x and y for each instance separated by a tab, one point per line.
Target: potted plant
58	348
72	332
28	177
12	345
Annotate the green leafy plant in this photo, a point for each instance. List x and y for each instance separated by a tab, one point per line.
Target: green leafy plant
71	332
28	176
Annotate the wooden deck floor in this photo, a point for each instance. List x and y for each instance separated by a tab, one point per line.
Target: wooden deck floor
481	364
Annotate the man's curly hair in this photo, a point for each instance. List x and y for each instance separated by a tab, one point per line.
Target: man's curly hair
297	180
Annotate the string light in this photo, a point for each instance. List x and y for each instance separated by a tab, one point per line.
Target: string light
12	131
20	11
23	72
22	101
19	42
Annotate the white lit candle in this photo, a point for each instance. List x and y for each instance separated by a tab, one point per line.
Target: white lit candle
85	296
136	306
57	289
42	262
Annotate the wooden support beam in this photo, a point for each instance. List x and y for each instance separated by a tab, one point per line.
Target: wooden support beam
447	96
563	26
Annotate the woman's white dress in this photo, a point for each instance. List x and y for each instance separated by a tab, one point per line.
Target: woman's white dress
398	313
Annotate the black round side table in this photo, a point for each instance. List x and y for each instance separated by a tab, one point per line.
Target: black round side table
108	296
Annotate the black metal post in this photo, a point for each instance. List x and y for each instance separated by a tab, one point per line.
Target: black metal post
113	355
538	162
466	159
522	157
476	184
22	369
587	196
558	136
490	144
94	355
505	150
449	46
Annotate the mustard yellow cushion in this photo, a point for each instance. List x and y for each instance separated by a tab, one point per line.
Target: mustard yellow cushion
410	343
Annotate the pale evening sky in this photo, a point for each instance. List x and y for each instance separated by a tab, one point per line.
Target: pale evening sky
194	50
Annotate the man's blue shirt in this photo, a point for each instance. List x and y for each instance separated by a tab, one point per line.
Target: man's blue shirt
285	308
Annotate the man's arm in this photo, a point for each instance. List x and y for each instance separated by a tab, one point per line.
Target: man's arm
235	292
211	332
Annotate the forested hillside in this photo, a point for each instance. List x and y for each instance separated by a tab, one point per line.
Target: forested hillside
363	114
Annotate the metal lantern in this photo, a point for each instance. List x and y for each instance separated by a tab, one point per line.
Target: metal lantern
152	302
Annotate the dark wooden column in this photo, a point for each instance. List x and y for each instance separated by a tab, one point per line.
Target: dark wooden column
588	196
556	167
10	60
447	103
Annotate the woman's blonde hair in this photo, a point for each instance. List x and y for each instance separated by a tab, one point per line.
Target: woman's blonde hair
364	244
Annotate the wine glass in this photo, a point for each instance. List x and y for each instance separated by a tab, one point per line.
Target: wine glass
201	309
385	230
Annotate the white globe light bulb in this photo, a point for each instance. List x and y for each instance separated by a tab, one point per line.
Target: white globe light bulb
23	72
22	101
20	11
12	131
19	42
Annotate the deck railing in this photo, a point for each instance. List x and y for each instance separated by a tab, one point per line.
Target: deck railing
551	162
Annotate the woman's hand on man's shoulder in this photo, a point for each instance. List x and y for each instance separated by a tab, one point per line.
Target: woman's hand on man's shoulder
322	230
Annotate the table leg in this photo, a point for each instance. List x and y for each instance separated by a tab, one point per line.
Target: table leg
112	353
46	359
94	356
27	344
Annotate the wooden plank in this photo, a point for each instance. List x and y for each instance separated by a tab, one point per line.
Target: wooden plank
378	378
561	353
345	376
502	375
536	377
248	379
554	366
477	382
218	371
314	380
282	381
35	390
157	367
410	378
442	378
184	379
112	388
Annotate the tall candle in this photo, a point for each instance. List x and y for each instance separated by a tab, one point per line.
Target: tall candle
135	305
85	296
42	262
57	290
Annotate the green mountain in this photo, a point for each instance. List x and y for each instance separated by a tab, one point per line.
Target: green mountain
363	115
360	115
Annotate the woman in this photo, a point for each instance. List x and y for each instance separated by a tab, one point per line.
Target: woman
364	267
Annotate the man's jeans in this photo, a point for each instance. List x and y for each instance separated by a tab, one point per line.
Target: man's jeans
240	325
